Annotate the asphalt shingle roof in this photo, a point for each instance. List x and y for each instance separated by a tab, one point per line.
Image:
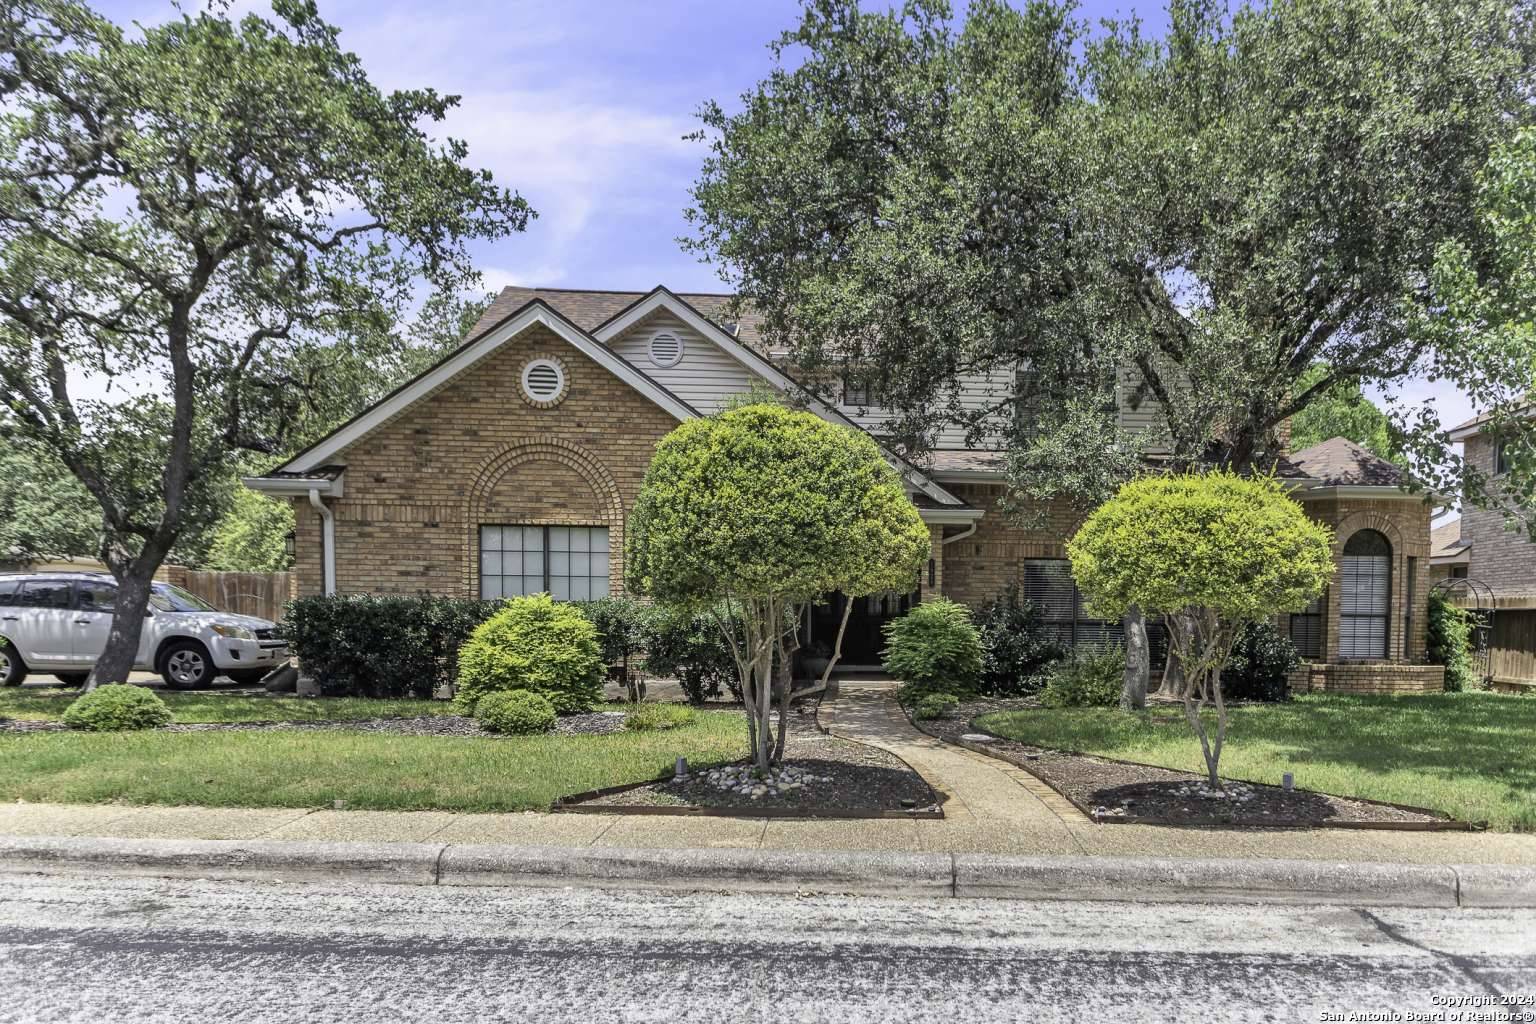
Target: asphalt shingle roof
1339	462
590	309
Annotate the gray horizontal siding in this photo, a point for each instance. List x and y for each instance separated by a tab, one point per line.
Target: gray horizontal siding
705	378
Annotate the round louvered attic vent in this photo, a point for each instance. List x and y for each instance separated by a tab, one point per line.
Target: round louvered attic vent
543	381
666	349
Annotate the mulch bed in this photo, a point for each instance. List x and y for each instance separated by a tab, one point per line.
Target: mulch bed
864	782
1112	791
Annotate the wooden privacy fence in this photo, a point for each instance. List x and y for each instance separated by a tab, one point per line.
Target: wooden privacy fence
262	594
1512	647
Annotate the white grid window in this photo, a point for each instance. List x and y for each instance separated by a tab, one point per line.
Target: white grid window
1365	595
570	563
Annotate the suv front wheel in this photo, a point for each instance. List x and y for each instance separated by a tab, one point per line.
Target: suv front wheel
185	665
13	671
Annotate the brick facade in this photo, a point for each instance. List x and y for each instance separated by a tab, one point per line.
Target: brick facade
477	453
1365	678
1503	559
978	567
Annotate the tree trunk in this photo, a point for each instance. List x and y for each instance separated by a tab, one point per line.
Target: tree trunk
1138	665
128	613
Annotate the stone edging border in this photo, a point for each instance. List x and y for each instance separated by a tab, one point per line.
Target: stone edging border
931	875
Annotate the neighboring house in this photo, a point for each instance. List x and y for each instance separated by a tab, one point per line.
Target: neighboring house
1498	563
1448	553
510	467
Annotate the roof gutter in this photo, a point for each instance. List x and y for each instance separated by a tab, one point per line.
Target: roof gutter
951	516
295	487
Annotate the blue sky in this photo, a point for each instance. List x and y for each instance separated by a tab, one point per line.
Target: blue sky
582	107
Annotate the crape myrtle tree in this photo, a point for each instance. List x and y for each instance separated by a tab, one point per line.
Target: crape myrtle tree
753	514
1213	552
1233	220
195	215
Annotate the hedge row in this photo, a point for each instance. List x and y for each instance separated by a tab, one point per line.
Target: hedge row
370	646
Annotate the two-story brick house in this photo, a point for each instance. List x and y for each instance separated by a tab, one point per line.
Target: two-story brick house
510	466
1499	562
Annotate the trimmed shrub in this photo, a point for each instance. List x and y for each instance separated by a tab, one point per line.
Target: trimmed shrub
1449	642
534	643
517	712
654	717
622	627
691	649
367	646
1085	679
117	707
937	705
934	648
1261	657
1014	644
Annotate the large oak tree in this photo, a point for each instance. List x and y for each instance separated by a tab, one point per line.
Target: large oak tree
1215	212
197	213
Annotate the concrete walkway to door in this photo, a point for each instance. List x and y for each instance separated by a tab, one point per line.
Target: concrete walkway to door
989	805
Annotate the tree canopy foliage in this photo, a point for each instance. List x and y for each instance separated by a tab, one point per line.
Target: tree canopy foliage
196	211
756	512
1199	220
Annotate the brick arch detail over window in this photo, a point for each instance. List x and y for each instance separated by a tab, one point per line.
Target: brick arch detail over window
563	453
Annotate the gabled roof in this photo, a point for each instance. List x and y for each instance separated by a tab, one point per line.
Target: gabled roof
312	466
1446	545
1340	462
1474	426
662	298
589	309
481	343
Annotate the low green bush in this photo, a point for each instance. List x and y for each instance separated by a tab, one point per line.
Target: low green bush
654	717
362	645
691	648
1261	659
518	712
1015	644
117	707
1085	679
1449	643
937	705
934	648
534	643
623	628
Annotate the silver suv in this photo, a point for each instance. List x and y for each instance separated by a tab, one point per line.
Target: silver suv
57	623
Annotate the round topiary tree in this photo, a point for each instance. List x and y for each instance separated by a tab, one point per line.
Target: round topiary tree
534	643
517	712
117	707
756	512
1212	552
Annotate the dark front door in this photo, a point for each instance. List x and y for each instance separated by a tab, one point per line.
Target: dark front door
864	638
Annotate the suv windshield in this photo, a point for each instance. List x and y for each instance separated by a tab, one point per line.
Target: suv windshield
168	598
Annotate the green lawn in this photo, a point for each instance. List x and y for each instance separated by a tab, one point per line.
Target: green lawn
1470	755
367	770
36	704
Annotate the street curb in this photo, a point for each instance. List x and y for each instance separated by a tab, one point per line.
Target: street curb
1496	885
863	872
870	873
1157	879
256	860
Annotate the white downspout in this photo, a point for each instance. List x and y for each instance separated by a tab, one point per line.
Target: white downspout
327	541
946	541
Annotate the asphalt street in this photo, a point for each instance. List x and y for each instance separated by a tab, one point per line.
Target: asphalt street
99	950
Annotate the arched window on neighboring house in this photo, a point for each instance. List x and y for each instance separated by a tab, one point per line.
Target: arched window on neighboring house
1365	596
